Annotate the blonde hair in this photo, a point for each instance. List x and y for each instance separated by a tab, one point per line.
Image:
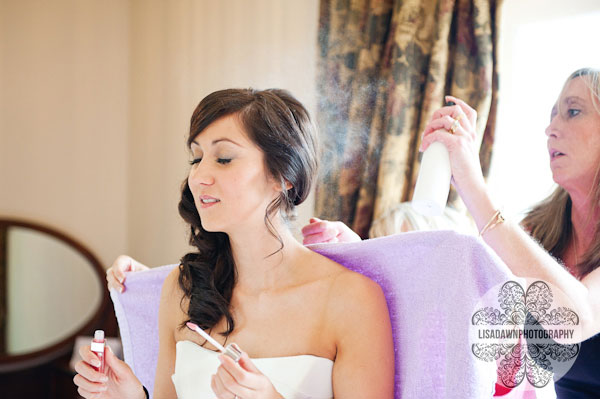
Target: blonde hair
549	222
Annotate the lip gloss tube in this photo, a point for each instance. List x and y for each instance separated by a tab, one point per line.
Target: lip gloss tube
98	346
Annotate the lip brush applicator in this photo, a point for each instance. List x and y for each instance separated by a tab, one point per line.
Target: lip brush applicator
231	350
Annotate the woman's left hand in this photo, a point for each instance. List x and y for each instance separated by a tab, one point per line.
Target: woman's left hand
241	380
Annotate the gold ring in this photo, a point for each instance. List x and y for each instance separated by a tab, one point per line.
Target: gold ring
454	125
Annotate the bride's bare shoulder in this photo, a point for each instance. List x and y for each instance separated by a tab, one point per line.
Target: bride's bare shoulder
172	298
345	283
171	285
352	300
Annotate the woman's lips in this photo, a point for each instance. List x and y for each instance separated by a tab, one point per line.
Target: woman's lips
554	154
207	201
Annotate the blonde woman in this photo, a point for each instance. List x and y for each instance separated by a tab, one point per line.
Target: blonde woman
566	224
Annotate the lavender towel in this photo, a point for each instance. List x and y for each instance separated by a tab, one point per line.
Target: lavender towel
432	282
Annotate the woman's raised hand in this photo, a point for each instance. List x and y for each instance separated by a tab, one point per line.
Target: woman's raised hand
115	275
117	382
241	380
454	126
323	231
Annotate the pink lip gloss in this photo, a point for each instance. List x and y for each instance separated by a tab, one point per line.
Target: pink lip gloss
98	348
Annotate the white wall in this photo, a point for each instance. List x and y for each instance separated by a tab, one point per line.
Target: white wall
541	43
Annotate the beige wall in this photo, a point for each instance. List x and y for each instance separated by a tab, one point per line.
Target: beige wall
95	101
64	115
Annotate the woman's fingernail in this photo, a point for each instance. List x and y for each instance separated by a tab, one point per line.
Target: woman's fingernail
121	290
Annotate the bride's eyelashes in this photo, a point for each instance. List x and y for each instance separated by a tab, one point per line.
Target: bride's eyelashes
222	161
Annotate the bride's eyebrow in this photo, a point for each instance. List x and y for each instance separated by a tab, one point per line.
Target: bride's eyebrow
225	139
218	141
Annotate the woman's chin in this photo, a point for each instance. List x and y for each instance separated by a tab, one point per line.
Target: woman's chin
569	183
211	227
558	177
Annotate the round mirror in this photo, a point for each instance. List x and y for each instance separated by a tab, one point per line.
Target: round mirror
51	290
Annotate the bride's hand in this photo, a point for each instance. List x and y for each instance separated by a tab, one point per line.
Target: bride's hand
242	380
117	382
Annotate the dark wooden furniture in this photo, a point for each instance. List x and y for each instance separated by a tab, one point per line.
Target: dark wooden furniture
45	374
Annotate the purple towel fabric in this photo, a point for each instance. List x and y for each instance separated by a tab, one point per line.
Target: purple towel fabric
137	314
432	282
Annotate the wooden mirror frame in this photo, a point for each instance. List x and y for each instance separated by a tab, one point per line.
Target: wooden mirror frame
11	363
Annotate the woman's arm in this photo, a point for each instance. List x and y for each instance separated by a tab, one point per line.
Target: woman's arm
364	363
516	248
167	323
526	258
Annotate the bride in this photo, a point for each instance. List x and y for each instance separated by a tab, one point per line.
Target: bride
307	327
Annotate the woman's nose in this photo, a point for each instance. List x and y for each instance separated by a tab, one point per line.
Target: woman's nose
200	174
551	130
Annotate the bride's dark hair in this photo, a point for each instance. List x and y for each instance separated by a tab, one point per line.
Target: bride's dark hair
281	127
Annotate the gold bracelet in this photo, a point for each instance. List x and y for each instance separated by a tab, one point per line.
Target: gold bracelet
494	221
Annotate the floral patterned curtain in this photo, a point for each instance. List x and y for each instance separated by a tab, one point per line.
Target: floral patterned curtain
384	67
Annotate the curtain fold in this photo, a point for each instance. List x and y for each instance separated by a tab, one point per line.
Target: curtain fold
384	67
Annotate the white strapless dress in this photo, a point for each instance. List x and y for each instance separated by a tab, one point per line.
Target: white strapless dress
294	377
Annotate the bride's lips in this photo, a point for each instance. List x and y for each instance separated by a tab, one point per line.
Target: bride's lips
206	201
